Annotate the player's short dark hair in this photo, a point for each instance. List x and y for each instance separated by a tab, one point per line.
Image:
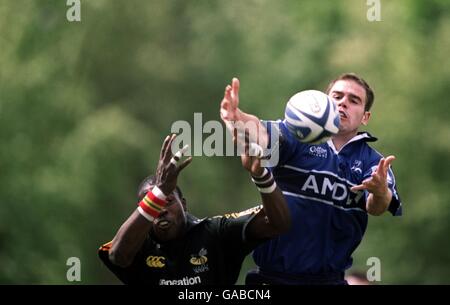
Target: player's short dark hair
149	182
370	96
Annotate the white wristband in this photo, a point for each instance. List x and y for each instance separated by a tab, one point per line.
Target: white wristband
266	186
145	214
158	193
263	173
268	190
264	181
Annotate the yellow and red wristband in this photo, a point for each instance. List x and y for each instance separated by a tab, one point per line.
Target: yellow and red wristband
151	205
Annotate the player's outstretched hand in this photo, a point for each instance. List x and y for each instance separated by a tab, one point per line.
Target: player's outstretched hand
377	184
169	167
229	107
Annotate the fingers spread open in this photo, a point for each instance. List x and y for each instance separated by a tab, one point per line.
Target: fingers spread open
184	164
358	188
363	186
379	166
168	151
235	93
164	147
174	160
227	94
236	85
388	163
389	159
177	156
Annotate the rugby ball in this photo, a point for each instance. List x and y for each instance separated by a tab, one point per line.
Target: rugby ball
312	117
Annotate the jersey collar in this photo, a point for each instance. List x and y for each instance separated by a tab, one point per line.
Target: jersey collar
191	221
360	136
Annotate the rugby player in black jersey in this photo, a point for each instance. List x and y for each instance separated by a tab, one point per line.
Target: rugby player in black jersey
162	244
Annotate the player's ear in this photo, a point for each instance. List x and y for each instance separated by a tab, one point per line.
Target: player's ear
365	118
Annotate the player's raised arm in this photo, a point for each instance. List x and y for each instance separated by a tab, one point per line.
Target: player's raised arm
274	218
134	230
233	116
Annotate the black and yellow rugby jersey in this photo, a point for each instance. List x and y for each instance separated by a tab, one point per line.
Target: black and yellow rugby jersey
211	252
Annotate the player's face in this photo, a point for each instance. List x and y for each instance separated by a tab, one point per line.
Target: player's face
171	222
350	98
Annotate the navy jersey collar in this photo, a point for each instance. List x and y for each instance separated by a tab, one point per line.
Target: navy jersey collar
360	136
367	136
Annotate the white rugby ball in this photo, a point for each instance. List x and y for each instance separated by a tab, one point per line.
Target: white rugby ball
312	116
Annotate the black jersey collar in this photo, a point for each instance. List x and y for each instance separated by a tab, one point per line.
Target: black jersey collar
365	136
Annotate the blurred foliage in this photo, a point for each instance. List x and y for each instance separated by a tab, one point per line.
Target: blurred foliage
84	107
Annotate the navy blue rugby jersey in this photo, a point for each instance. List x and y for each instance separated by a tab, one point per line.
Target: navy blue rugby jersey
328	220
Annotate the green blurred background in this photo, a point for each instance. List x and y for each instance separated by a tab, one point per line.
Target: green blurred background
84	107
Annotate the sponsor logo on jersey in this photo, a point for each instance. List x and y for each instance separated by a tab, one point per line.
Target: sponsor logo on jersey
183	281
156	261
326	187
329	189
200	258
201	268
356	167
318	151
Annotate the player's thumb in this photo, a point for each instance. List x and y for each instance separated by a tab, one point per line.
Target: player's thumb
357	188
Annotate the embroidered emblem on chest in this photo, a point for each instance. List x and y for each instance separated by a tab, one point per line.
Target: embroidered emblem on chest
200	261
156	261
317	151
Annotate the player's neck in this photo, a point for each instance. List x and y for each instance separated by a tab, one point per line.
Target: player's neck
341	139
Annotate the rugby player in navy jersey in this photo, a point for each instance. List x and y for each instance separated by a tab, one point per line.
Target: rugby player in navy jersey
162	244
330	189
